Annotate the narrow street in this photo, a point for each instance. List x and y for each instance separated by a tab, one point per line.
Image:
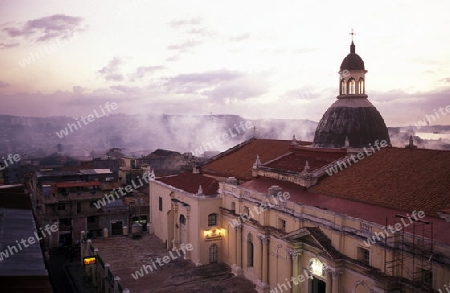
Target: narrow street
57	272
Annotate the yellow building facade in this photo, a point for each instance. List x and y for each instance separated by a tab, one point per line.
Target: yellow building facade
281	245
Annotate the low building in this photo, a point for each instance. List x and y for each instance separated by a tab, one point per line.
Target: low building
185	209
166	162
22	261
86	200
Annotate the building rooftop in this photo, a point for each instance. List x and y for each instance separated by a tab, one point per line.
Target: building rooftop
190	182
296	160
14	197
353	118
161	153
95	171
237	161
403	179
127	255
24	270
77	184
352	61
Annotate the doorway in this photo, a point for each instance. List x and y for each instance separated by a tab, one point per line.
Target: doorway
318	286
213	253
116	228
182	229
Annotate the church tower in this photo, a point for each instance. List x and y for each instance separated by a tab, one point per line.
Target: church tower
351	121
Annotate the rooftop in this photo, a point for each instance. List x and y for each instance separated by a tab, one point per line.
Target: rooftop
178	275
403	179
316	158
190	182
161	153
24	270
77	184
95	171
237	161
14	197
352	61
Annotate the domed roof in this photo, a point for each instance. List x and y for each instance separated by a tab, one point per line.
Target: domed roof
352	61
355	119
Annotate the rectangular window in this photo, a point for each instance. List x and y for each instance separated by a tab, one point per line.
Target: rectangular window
363	255
282	224
61	207
78	207
427	277
364	227
212	219
92	204
247	211
160	204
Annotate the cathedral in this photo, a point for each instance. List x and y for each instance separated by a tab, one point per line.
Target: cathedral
273	212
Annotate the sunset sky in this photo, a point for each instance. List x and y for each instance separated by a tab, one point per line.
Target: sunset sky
257	59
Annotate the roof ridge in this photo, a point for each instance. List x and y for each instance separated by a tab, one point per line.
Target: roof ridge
230	150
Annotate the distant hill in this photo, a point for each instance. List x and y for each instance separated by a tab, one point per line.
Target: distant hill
140	134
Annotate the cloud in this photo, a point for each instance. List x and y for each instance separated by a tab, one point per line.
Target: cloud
218	86
183	22
79	90
303	93
184	46
204	78
235	91
58	26
239	38
111	71
200	31
125	89
173	58
447	79
3	84
143	71
304	50
7	46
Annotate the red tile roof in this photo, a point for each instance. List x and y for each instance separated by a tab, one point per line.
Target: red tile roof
191	181
77	184
316	158
404	179
352	208
238	161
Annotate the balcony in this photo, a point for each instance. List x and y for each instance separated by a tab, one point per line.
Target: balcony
72	196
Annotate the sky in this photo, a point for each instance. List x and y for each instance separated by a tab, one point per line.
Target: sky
257	59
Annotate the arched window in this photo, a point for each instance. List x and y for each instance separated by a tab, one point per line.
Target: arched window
361	89
213	253
182	219
250	252
343	88
351	86
212	219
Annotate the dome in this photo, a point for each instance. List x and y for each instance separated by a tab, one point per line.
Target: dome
352	61
355	119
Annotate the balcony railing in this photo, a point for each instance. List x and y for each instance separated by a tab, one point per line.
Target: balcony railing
73	196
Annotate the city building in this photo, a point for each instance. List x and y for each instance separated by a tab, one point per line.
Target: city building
22	261
165	162
90	200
